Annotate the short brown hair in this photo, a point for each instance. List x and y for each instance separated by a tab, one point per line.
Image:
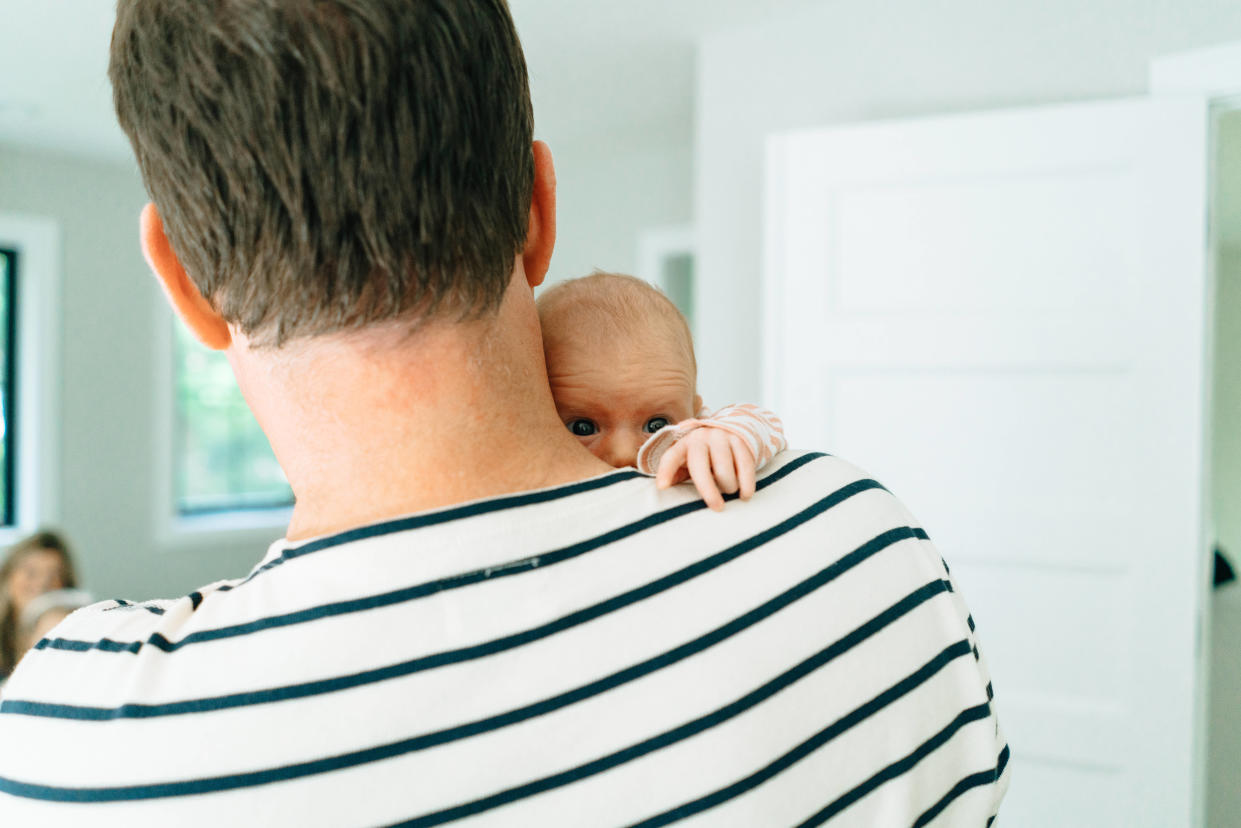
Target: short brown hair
322	165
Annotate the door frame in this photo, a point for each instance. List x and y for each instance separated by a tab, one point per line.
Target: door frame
1214	75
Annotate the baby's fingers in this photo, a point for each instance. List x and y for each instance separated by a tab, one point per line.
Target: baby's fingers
699	463
745	467
722	464
671	470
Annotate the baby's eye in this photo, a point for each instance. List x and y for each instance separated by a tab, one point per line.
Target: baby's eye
655	424
582	428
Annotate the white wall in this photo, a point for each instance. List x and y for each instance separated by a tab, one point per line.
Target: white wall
611	189
844	62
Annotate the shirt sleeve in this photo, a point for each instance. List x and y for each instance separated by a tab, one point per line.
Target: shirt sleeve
762	431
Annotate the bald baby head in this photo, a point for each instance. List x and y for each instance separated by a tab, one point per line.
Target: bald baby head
620	361
610	306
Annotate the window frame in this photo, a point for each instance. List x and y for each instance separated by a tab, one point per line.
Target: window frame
246	526
37	369
12	433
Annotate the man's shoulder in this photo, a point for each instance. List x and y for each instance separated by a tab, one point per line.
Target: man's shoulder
109	626
115	617
803	499
844	501
796	473
816	464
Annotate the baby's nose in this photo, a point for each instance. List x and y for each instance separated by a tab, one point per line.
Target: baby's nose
622	448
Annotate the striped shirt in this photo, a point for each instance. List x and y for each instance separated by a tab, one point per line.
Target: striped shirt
601	653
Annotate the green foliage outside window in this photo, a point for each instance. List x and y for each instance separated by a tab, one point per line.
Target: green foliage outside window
223	461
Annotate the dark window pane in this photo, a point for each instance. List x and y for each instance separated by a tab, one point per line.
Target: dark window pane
8	383
223	461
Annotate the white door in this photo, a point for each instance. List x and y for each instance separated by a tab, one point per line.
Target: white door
1001	316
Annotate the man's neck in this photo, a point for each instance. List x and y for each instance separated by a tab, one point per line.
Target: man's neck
382	424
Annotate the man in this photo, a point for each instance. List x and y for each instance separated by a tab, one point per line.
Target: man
471	617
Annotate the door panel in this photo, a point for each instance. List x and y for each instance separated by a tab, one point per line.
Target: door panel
1001	316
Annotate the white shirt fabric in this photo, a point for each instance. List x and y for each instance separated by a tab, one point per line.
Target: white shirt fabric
595	654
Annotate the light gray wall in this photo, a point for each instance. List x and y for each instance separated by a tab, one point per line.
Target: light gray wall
107	379
610	190
845	62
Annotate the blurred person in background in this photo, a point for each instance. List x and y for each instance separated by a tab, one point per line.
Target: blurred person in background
35	565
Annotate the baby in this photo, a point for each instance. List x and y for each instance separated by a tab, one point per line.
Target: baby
620	359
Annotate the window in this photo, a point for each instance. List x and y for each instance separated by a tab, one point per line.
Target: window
30	314
222	461
8	385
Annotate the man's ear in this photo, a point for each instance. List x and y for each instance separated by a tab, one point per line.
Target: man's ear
536	256
195	311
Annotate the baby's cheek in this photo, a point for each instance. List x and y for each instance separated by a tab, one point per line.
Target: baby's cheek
593	444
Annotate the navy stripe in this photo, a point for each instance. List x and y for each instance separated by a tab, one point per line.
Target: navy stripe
122	604
902	766
970	782
969	619
669	737
322	686
254	778
419	521
196	598
415	592
835	729
106	645
388	527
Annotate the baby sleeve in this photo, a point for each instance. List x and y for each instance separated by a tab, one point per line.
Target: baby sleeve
761	430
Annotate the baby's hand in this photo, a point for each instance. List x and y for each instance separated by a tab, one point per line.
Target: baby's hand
716	460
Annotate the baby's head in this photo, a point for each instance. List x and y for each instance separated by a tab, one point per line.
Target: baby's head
620	359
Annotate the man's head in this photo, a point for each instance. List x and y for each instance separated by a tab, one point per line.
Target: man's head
620	359
325	165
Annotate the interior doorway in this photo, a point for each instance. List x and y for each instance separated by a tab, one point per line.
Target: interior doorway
666	260
1224	706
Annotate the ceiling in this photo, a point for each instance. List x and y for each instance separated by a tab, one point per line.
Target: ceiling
595	67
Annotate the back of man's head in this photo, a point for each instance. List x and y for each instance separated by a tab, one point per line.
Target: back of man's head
323	165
